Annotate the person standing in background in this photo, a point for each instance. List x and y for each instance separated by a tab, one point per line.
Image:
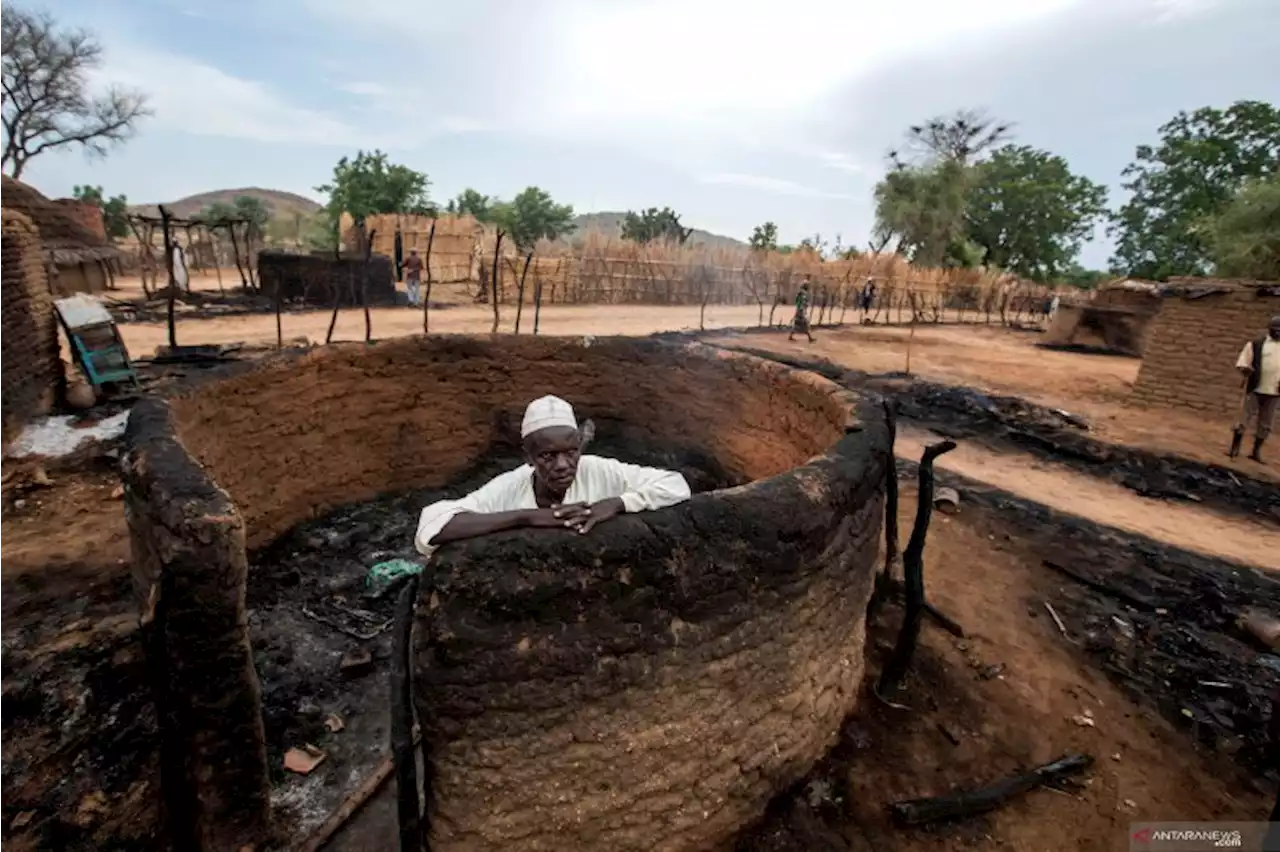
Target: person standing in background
413	278
800	322
1259	362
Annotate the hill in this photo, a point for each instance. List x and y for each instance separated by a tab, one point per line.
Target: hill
610	225
281	204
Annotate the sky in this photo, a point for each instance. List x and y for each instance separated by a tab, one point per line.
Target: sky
732	112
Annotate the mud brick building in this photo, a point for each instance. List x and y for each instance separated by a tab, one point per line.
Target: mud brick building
80	259
1193	342
32	367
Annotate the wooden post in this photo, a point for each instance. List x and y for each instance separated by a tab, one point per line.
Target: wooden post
279	330
426	267
173	284
235	248
364	287
528	258
497	247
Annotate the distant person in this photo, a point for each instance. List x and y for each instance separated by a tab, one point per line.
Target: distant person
413	278
868	297
1259	362
558	488
800	322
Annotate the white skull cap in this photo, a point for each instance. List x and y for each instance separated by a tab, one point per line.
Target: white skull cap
546	412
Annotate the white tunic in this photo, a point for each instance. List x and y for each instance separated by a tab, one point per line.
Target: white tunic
598	478
1269	376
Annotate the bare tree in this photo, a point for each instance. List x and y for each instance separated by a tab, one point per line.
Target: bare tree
47	101
959	137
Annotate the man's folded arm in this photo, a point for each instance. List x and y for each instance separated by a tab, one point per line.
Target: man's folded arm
645	489
483	511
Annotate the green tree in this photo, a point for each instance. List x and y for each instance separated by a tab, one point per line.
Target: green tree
1182	183
253	209
1081	278
1244	239
370	184
49	102
1028	213
472	203
115	210
922	208
654	224
531	216
765	237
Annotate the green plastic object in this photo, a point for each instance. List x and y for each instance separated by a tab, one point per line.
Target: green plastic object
384	575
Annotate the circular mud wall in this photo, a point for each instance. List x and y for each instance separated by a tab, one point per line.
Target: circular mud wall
648	686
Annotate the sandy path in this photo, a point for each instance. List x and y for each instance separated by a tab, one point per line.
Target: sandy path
1189	527
143	338
1001	361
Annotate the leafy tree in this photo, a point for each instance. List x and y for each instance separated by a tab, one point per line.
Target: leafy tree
1186	180
1244	239
1028	213
253	209
370	184
47	101
654	224
1081	278
115	210
531	216
922	208
765	237
473	203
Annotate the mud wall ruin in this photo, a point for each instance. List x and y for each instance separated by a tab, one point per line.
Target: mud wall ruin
32	373
317	280
648	686
1194	340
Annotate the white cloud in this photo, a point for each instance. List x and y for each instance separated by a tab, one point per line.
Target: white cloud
1170	11
778	186
197	98
373	90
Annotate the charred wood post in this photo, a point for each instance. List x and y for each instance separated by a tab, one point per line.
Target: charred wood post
973	802
167	232
426	268
402	745
528	259
913	574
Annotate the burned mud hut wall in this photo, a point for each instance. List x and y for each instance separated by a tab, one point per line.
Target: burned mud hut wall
1193	343
32	373
316	280
1114	329
714	646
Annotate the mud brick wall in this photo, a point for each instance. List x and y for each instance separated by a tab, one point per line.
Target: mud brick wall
189	573
1191	349
32	371
646	687
423	410
88	216
652	688
315	280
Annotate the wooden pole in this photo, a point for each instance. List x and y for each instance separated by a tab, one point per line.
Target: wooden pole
235	248
364	287
173	284
528	258
497	247
279	330
426	266
402	745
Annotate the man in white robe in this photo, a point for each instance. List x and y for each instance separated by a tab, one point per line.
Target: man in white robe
557	487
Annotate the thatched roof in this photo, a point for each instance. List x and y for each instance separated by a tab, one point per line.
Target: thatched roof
67	240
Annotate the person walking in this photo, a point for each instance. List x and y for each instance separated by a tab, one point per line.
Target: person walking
800	322
413	278
1259	363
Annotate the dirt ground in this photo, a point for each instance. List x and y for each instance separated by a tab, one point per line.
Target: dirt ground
998	360
79	762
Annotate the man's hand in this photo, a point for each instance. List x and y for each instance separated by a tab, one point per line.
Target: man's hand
597	513
567	516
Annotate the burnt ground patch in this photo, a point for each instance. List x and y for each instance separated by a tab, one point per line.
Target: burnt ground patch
1052	434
